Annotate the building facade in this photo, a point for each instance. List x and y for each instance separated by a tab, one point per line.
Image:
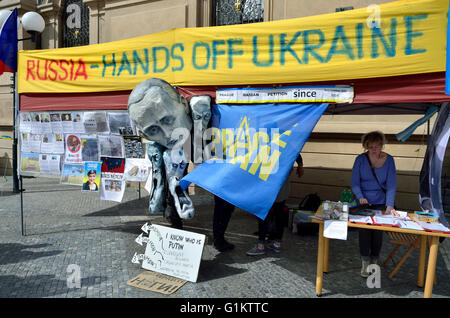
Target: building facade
329	153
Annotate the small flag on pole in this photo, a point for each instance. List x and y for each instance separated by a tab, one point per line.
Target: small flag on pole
8	44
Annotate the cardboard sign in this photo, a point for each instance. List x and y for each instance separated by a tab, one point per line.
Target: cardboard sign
173	252
157	282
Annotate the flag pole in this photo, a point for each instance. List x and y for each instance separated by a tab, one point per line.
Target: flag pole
14	146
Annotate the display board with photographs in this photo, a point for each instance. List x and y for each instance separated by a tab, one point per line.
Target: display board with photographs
87	149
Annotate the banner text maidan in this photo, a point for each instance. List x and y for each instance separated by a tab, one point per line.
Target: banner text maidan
196	57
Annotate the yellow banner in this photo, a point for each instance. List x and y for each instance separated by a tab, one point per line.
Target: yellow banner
397	38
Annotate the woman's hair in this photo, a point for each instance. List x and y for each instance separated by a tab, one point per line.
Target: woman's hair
92	172
373	137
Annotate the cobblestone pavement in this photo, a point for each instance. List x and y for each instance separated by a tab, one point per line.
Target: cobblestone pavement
64	226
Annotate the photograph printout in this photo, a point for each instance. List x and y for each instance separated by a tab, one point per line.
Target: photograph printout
133	147
29	162
111	146
96	122
137	169
120	124
72	173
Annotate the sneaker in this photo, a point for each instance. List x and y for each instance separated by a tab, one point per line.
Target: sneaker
375	261
223	246
256	251
364	265
276	248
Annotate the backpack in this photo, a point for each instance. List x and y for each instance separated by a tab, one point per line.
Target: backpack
310	202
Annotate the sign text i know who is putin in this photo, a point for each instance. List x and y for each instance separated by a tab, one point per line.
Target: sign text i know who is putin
317	48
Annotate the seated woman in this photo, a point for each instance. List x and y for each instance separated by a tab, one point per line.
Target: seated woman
374	183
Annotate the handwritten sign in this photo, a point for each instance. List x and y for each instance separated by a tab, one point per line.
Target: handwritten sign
173	252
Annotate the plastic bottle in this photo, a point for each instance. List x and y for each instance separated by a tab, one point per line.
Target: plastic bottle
343	195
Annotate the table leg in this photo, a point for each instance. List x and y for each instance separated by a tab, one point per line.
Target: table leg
320	252
326	253
431	268
422	260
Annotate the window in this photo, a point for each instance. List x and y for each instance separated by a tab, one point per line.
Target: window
75	21
344	9
227	12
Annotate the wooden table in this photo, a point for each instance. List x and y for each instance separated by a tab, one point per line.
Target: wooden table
324	246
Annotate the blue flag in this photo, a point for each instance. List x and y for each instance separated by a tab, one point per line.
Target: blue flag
253	150
8	44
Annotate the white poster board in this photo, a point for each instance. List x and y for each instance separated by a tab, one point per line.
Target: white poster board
173	252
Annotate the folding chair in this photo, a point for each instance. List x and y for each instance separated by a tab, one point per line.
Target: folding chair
401	239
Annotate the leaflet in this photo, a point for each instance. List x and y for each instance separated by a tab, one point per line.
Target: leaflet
77	122
335	229
56	122
25	122
46	126
50	164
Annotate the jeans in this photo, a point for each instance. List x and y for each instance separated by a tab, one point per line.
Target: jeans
275	217
221	218
370	242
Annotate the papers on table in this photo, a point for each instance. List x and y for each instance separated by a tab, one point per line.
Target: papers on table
335	229
411	225
369	212
387	220
434	227
364	219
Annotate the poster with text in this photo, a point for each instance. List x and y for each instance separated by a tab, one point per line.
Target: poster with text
92	173
112	181
73	149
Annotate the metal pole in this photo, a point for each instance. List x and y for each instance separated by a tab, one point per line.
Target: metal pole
21	207
14	145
